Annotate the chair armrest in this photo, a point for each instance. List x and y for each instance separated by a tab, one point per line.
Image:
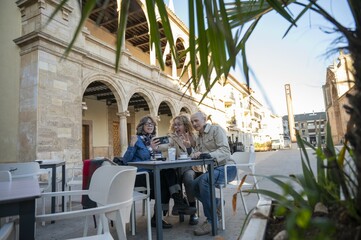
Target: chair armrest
70	171
237	165
240	164
65	193
84	212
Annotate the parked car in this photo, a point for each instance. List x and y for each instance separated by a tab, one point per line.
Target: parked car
276	144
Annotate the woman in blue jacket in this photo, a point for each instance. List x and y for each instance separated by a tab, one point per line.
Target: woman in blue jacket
141	148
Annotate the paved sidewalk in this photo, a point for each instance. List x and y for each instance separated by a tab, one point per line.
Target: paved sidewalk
267	163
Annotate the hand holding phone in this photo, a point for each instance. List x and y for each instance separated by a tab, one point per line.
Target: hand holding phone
162	140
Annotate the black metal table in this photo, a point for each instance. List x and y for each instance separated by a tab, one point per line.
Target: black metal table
157	166
54	164
17	197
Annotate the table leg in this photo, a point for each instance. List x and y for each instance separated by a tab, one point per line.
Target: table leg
63	186
158	204
27	220
53	188
213	198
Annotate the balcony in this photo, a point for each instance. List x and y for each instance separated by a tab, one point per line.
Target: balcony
229	99
232	122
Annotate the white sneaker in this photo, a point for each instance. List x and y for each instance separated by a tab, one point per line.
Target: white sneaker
204	229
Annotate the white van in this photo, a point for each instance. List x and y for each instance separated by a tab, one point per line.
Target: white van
277	144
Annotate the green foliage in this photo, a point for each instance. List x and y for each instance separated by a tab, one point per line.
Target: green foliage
331	185
260	147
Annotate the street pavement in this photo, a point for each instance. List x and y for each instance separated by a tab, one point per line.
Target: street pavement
282	162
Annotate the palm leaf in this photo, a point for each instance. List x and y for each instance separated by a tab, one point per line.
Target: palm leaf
301	144
122	24
277	197
86	11
285	186
355	7
192	43
167	29
202	37
154	31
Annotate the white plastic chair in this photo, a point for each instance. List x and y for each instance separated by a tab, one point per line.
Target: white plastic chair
245	164
21	170
29	170
6	230
111	187
142	194
75	174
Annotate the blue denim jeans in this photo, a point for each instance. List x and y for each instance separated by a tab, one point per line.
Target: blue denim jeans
200	187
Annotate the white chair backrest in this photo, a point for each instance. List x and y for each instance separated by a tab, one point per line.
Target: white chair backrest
112	184
241	157
245	162
5	176
21	170
74	171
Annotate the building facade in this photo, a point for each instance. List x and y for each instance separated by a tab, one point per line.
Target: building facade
311	126
80	107
339	82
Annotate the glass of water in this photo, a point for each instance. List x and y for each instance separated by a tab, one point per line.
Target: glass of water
171	154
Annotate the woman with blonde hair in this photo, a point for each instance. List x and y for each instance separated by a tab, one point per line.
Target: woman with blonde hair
181	137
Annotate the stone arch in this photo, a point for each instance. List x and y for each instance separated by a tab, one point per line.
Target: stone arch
165	112
185	109
110	83
148	96
181	38
180	47
170	104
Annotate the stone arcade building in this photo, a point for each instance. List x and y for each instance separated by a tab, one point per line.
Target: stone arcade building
80	107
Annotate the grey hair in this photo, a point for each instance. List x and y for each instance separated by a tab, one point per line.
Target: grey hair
200	114
139	128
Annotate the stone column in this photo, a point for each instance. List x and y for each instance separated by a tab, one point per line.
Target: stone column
123	131
291	118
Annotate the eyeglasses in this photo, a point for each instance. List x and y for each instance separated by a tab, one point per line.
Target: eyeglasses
149	124
178	124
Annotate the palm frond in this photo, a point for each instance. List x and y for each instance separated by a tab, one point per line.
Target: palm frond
122	24
154	42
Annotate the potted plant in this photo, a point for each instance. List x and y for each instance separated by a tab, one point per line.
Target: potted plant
325	206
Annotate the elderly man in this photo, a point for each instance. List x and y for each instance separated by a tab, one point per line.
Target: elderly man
212	139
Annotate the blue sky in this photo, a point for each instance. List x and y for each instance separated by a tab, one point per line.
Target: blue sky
298	59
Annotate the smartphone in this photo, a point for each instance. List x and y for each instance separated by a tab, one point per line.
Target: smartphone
162	140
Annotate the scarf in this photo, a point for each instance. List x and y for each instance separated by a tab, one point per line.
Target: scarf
147	138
